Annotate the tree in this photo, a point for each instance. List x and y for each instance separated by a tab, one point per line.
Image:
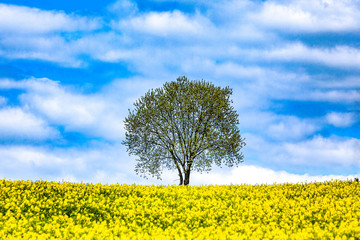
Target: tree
184	125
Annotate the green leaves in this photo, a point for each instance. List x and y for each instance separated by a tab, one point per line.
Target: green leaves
186	125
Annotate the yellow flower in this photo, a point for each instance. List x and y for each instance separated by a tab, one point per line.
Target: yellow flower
46	210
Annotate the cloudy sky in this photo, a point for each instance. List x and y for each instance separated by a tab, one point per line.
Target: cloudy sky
70	70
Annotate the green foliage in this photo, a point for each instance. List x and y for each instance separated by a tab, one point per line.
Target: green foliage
185	125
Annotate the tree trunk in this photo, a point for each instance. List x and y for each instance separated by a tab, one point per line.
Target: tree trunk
179	170
187	177
181	179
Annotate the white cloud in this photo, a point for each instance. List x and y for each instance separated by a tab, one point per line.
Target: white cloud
17	156
32	83
31	33
93	115
341	119
15	123
123	8
131	88
204	64
339	56
97	163
309	16
292	128
250	174
129	55
107	47
337	96
19	19
352	82
137	58
166	23
278	127
48	48
319	151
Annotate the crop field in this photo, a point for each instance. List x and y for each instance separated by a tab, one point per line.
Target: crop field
51	210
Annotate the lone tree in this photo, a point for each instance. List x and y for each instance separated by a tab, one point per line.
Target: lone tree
184	125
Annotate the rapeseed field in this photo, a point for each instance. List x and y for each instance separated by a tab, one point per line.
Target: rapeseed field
51	210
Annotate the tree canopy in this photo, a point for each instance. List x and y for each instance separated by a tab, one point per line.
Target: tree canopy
184	125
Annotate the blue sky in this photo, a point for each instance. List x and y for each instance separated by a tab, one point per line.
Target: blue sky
70	70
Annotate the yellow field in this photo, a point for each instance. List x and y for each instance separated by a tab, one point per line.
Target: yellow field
50	210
